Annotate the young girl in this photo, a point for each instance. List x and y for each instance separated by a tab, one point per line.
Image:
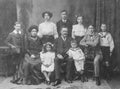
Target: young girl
47	59
78	56
78	30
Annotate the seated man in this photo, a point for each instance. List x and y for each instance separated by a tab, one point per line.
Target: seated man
91	40
62	45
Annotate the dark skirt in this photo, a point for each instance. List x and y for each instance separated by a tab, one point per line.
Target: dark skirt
78	39
29	71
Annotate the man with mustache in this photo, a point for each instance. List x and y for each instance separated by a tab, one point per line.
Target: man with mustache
62	45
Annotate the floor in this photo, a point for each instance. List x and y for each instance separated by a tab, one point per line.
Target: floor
114	83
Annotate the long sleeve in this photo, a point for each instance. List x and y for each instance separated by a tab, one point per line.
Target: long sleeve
73	32
55	31
8	40
39	31
95	41
111	42
81	52
69	53
41	57
53	58
83	41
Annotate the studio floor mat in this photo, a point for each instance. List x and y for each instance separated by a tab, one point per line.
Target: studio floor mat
75	85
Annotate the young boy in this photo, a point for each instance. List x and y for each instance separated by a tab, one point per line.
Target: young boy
78	56
107	46
15	42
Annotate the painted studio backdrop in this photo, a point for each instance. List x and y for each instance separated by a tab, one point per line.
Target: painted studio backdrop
95	12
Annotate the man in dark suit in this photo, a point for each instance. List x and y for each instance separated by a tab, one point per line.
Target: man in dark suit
15	42
64	22
62	45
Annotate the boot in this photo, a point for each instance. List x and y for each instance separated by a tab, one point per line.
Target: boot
98	83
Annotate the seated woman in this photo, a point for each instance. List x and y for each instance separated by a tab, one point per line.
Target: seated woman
47	58
32	61
91	43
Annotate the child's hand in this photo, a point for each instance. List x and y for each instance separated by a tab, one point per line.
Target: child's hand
32	56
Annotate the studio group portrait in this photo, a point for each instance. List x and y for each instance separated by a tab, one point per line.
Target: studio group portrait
59	44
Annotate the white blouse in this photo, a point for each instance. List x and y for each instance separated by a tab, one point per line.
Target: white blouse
106	40
76	54
47	58
78	30
47	28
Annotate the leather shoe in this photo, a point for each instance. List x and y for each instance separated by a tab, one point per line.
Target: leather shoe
57	82
98	83
68	81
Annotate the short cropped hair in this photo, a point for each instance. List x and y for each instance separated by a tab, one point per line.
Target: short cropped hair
64	11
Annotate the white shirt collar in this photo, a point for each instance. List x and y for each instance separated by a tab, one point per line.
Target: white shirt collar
19	32
64	38
64	20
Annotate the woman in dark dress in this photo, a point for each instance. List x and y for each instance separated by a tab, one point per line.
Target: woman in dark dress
32	64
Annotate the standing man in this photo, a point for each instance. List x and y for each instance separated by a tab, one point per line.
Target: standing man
62	45
15	42
64	22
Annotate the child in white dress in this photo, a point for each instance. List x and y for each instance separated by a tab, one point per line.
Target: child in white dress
47	59
78	56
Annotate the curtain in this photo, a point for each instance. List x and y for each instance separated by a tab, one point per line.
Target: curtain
8	17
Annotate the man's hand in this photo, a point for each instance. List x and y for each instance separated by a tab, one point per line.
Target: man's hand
85	44
70	57
59	56
12	46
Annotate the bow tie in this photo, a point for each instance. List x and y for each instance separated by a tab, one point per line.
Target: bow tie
103	36
64	21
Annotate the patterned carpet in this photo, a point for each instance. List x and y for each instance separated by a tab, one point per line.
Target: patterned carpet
75	85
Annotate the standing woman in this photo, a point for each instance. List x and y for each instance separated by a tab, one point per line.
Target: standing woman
78	30
47	29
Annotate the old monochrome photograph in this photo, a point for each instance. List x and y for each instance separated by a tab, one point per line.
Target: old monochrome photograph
59	44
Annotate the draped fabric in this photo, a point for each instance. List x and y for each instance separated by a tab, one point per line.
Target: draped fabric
8	17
